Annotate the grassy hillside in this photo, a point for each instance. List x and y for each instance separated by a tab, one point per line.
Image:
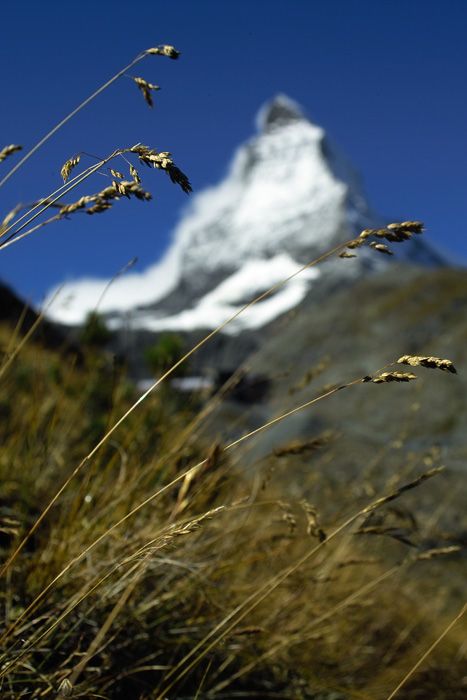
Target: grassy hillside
168	568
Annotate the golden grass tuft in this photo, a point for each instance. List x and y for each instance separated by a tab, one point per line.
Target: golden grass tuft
212	572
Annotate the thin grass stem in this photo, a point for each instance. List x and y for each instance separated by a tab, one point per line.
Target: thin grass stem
72	114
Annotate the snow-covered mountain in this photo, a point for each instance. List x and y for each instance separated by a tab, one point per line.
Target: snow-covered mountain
280	196
288	197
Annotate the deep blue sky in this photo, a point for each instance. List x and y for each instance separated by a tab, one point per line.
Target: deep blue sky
387	80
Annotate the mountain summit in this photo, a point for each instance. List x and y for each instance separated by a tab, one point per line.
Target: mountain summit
289	196
279	112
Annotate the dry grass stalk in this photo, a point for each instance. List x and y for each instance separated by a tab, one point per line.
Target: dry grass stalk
178	530
248	630
407	487
8	219
397	533
429	362
192	478
357	561
307	447
309	376
428	652
394	377
8	151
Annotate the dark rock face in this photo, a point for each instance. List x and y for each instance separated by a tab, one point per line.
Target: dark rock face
279	112
13	311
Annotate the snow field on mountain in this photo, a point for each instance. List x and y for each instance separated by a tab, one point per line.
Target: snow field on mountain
231	295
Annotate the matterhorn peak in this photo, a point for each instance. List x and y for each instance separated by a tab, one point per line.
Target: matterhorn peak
288	197
278	112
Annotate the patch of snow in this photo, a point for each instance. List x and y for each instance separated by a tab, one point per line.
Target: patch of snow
76	299
276	182
231	295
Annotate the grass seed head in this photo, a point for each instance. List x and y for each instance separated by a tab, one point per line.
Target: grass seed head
429	362
355	243
9	218
441	551
381	248
134	174
380	233
314	528
307	447
397	236
394	233
407	226
164	50
162	161
103	200
394	377
8	151
367	233
146	88
288	516
68	167
403	489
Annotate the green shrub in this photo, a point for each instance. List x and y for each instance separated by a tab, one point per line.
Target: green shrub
95	332
169	350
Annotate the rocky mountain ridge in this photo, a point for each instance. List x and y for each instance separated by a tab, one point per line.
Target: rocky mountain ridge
289	197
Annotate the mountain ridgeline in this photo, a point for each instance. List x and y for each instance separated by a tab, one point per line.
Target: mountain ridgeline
289	197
